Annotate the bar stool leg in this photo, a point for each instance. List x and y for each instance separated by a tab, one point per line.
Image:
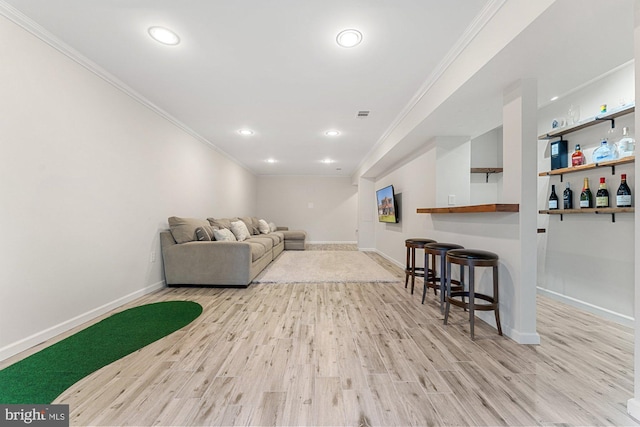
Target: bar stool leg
496	299
413	269
442	280
471	298
406	270
448	304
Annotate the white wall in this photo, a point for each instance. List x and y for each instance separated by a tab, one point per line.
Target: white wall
325	207
88	179
588	260
486	152
452	167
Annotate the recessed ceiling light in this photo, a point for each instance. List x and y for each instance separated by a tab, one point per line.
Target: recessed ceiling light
554	98
164	36
332	133
327	161
271	160
245	132
349	38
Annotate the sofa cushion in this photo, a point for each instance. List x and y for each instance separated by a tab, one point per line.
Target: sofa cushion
224	235
294	234
272	226
257	251
274	238
248	221
183	230
240	230
222	222
263	240
263	226
205	233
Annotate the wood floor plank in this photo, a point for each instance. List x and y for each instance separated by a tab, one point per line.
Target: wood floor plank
358	354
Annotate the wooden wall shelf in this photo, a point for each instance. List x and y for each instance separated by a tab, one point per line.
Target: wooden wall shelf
472	209
559	133
582	168
487	171
611	211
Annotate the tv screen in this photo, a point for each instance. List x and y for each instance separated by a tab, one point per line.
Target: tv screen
386	202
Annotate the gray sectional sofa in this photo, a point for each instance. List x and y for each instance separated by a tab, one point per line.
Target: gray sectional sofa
194	252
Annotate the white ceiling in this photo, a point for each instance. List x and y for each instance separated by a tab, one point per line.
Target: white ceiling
274	67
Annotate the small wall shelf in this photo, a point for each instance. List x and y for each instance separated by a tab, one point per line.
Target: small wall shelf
472	209
610	163
612	211
487	171
559	133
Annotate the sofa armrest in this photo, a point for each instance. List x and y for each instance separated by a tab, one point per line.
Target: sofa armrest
282	228
207	263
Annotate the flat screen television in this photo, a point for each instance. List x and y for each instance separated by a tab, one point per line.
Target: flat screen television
387	207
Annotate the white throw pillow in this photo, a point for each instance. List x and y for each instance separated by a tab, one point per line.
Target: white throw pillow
272	226
240	230
224	235
263	226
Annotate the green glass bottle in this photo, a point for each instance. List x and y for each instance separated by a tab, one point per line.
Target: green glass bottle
586	198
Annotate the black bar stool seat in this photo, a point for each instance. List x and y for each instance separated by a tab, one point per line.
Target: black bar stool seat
411	270
473	258
439	249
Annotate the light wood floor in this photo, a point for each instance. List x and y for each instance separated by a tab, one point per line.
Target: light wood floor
357	355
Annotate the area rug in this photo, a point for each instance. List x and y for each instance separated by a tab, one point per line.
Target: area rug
323	267
43	376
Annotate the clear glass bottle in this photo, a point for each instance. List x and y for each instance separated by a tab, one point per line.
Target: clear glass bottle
627	144
603	153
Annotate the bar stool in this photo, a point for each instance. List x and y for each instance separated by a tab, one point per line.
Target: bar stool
472	258
411	269
439	249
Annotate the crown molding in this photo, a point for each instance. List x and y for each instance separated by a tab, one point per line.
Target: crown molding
478	23
26	23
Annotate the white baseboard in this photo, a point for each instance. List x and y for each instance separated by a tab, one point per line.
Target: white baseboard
633	408
40	337
388	258
330	242
599	311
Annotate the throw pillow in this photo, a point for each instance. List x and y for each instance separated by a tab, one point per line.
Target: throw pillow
249	223
205	234
239	229
272	227
221	222
263	227
224	235
183	230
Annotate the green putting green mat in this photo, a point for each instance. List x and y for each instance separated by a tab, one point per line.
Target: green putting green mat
43	376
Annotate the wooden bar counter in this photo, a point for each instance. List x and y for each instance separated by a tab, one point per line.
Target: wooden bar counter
493	207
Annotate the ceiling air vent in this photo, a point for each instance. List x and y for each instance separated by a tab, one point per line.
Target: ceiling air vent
362	114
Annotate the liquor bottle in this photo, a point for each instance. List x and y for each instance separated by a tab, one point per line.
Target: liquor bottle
553	198
586	198
603	153
627	144
567	196
577	158
623	196
602	195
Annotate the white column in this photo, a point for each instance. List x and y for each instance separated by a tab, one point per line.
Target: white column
633	405
519	151
366	214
